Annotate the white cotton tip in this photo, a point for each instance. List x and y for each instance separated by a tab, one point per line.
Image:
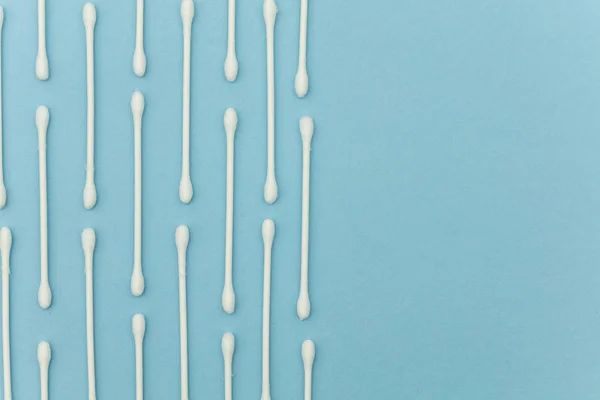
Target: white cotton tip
228	299
41	67
303	306
230	121
42	117
307	128
137	283
187	11
308	352
186	191
138	325
88	240
89	196
2	195
1	16
301	83
182	237
231	67
271	189
228	345
44	354
269	12
139	63
137	103
89	15
268	231
5	240
44	295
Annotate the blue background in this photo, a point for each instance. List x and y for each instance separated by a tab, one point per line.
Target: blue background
455	188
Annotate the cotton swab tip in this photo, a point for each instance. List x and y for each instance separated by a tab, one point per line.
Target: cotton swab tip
139	63
301	83
268	231
1	16
271	190
228	345
5	240
228	299
89	196
89	15
2	196
187	11
303	306
231	67
137	283
307	128
308	352
137	103
42	117
182	237
230	122
41	67
138	325
88	239
186	191
269	12
44	354
44	295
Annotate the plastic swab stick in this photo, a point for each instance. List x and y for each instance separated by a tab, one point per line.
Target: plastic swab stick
138	324
89	21
270	13
139	56
308	357
41	62
268	233
5	246
2	187
182	238
228	346
301	82
42	117
185	185
228	298
231	62
306	130
137	278
44	356
88	243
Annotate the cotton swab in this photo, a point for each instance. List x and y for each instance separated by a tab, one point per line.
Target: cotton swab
301	82
231	62
307	128
270	13
139	56
185	185
182	238
41	62
137	278
2	187
42	117
88	243
138	324
268	233
89	21
44	356
227	347
5	246
308	357
228	298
